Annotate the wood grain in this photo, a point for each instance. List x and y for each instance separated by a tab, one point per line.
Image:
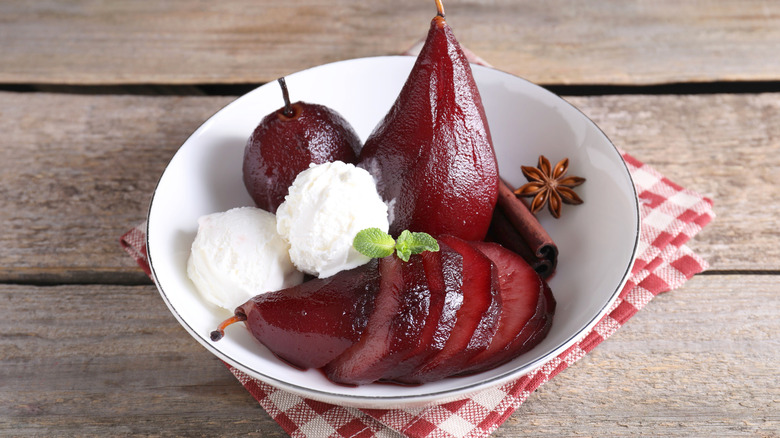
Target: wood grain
241	41
78	171
87	346
109	360
724	146
95	360
697	361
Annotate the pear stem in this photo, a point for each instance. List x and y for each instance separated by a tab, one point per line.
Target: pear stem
288	109
219	333
439	9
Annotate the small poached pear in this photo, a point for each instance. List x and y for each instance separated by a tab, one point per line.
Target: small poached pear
286	141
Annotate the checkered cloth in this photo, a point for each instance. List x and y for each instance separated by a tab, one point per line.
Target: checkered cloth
671	215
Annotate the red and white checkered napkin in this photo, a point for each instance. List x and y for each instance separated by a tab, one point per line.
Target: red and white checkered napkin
671	215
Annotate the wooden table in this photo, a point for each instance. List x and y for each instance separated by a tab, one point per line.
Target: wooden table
98	95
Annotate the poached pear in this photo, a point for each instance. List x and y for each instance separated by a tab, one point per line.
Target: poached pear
466	308
432	154
312	323
286	141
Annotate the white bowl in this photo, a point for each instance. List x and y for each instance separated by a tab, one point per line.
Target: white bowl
597	240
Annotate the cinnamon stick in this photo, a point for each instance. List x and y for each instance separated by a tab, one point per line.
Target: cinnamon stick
517	229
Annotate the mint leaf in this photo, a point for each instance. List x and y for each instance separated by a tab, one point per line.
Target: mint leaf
403	245
373	243
409	243
423	242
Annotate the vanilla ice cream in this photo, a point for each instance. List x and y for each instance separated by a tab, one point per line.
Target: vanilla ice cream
327	205
238	254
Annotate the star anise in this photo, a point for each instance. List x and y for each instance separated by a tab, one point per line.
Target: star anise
548	186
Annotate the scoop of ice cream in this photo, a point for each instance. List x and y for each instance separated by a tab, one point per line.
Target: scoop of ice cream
325	207
238	254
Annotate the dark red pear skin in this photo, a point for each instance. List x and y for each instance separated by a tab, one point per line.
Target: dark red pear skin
281	147
531	335
310	324
475	324
467	308
402	306
442	272
527	309
432	154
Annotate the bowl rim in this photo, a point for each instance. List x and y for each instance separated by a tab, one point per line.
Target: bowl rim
428	398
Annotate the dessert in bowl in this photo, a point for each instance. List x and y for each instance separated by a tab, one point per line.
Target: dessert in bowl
597	240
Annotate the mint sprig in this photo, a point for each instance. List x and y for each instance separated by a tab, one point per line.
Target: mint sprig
375	243
409	243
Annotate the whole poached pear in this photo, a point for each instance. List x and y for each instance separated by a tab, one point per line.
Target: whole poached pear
432	155
286	141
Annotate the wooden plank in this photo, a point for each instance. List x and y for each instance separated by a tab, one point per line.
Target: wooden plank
107	360
698	361
251	41
78	171
724	146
